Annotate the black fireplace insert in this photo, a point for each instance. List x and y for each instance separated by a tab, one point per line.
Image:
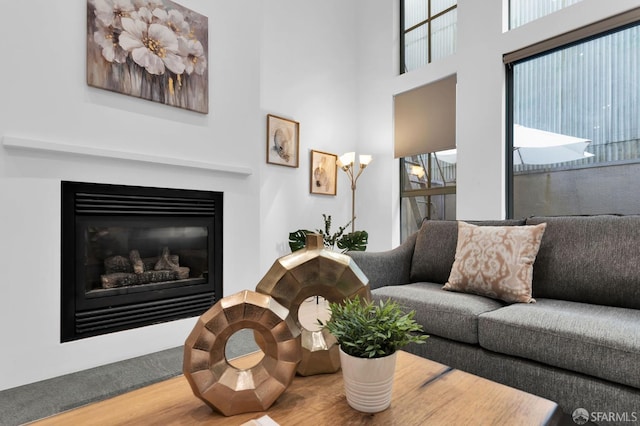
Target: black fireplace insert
134	256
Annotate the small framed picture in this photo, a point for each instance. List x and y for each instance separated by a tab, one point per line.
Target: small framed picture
324	173
283	141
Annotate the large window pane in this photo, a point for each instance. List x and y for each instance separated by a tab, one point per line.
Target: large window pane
443	39
523	11
428	31
438	6
415	11
416	48
576	132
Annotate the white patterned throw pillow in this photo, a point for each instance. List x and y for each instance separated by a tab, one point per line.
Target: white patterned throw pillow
496	261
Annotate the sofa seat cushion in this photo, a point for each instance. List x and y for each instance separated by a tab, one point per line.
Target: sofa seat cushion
441	313
597	340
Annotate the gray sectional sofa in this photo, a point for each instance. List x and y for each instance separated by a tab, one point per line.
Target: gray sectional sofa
578	345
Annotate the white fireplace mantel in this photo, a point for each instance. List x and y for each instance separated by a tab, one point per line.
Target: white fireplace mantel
11	142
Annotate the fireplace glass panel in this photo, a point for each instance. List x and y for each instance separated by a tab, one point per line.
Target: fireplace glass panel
121	259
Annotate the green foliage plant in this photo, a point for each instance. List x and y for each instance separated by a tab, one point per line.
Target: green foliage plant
366	329
298	239
352	241
329	238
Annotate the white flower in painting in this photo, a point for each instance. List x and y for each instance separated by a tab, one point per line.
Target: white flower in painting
154	47
110	12
107	39
174	20
193	56
142	14
149	4
108	15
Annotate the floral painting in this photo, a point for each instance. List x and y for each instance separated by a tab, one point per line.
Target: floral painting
151	49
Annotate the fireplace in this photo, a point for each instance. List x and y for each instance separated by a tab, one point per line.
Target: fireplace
134	256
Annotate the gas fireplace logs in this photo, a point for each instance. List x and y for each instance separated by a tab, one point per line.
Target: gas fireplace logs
121	271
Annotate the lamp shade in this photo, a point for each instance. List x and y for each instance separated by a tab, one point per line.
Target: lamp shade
425	118
347	158
365	160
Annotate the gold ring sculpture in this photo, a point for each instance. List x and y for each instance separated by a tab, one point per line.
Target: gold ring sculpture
314	271
224	387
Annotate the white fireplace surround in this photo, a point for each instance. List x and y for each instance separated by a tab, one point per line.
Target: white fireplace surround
30	229
12	142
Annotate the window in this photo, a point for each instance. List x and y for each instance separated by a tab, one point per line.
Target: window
575	127
523	11
428	188
428	31
425	122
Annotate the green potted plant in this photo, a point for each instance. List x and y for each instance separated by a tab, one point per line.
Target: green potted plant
352	241
369	334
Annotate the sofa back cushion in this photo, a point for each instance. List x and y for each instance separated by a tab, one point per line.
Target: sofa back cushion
590	259
435	248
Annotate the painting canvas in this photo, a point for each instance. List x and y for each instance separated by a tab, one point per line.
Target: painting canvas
283	141
324	173
151	49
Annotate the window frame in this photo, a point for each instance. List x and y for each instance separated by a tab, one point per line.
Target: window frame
427	22
579	36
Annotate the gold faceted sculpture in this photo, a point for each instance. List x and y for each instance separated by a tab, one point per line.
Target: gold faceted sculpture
228	389
314	271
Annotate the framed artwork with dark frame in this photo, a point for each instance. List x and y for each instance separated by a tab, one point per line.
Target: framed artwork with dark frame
324	173
283	141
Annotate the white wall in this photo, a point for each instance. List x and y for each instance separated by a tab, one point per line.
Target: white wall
308	75
45	98
378	189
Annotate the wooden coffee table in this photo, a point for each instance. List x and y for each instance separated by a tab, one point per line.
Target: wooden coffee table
424	392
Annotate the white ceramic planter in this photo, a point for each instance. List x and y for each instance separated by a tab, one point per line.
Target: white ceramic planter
368	382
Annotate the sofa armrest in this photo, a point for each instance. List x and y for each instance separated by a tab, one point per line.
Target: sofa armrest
386	268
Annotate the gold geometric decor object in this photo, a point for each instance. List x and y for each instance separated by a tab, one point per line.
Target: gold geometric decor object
314	271
230	390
